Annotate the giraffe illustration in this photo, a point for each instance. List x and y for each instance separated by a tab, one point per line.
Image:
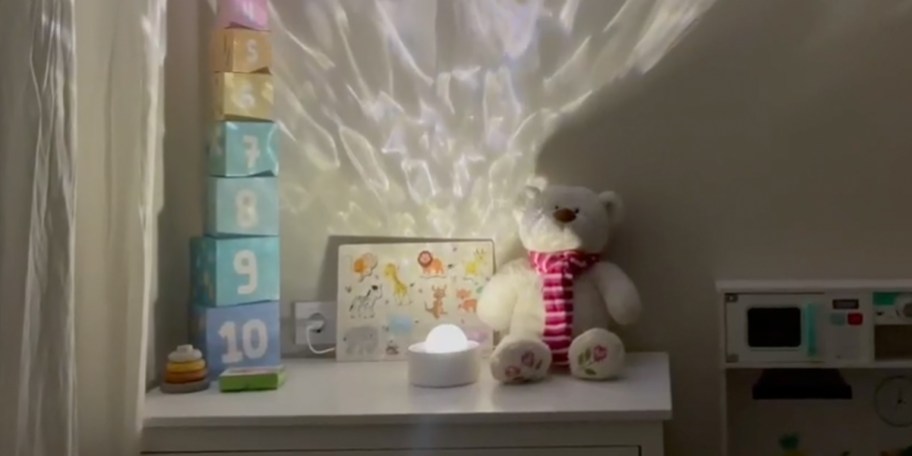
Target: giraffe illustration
400	290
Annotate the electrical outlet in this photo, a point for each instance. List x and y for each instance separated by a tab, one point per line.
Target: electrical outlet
307	313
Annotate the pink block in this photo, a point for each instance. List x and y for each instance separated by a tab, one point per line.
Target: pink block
250	14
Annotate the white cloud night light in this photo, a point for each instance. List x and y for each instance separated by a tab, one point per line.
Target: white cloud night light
446	358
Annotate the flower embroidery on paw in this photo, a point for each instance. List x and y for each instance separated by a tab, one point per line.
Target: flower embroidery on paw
599	353
591	356
528	359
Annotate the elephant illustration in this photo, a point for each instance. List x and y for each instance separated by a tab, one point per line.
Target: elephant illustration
362	340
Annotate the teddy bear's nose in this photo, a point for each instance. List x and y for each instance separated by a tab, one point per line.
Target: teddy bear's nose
564	215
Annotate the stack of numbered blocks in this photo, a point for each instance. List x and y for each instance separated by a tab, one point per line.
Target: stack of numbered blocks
235	309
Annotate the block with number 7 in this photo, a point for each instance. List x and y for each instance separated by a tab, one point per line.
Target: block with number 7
238	336
243	206
243	149
231	271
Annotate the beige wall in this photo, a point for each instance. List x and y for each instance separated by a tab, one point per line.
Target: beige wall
774	141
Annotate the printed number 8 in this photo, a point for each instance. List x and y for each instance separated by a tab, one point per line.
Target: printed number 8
245	263
233	353
245	202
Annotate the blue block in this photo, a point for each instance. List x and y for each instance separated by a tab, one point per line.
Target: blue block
229	271
243	149
238	336
243	206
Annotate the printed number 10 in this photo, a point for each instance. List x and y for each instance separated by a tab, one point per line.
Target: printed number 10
233	353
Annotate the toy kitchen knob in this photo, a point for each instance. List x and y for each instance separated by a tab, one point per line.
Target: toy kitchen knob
904	307
905	310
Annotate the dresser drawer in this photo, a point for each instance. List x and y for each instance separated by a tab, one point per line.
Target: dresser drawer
555	451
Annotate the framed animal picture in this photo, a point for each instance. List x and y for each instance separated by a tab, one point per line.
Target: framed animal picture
390	296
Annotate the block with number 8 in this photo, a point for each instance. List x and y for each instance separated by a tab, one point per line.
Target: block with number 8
238	336
230	271
243	206
241	51
243	96
251	14
243	149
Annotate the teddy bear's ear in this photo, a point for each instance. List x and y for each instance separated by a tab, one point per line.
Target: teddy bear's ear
526	197
528	194
613	205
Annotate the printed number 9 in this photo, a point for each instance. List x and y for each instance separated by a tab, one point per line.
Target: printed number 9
252	150
245	263
233	353
245	205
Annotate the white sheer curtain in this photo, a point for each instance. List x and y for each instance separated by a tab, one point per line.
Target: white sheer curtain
120	55
37	203
76	240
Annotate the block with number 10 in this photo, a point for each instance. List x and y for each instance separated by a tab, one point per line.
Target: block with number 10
230	271
238	336
243	206
243	149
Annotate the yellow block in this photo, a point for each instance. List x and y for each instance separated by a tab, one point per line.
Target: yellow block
241	51
240	96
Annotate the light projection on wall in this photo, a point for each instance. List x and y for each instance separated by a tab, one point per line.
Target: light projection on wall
424	117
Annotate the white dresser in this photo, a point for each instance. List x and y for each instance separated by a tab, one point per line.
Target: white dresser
328	408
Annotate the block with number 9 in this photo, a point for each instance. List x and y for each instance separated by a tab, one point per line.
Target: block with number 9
237	336
230	271
251	14
243	96
243	149
243	206
241	51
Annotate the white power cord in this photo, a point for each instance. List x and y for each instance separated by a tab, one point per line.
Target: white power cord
316	326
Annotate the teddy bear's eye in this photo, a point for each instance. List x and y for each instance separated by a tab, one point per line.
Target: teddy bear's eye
556	207
576	210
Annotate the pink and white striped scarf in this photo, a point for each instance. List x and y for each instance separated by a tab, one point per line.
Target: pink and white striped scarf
558	270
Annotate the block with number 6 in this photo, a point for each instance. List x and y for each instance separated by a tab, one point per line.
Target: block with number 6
241	51
238	336
243	206
243	96
230	271
243	149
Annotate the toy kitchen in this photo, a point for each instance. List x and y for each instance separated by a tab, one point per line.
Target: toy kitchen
816	367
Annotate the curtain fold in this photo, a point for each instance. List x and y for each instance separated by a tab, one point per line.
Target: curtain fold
121	55
37	229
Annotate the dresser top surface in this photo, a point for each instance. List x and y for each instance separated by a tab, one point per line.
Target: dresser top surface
327	392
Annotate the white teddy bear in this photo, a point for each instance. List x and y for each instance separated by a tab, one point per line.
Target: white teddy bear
553	307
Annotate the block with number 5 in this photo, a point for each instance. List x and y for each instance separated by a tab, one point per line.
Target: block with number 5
243	96
238	336
251	14
243	206
241	51
230	271
243	149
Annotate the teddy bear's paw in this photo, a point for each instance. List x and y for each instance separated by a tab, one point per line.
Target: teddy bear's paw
520	360
597	354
